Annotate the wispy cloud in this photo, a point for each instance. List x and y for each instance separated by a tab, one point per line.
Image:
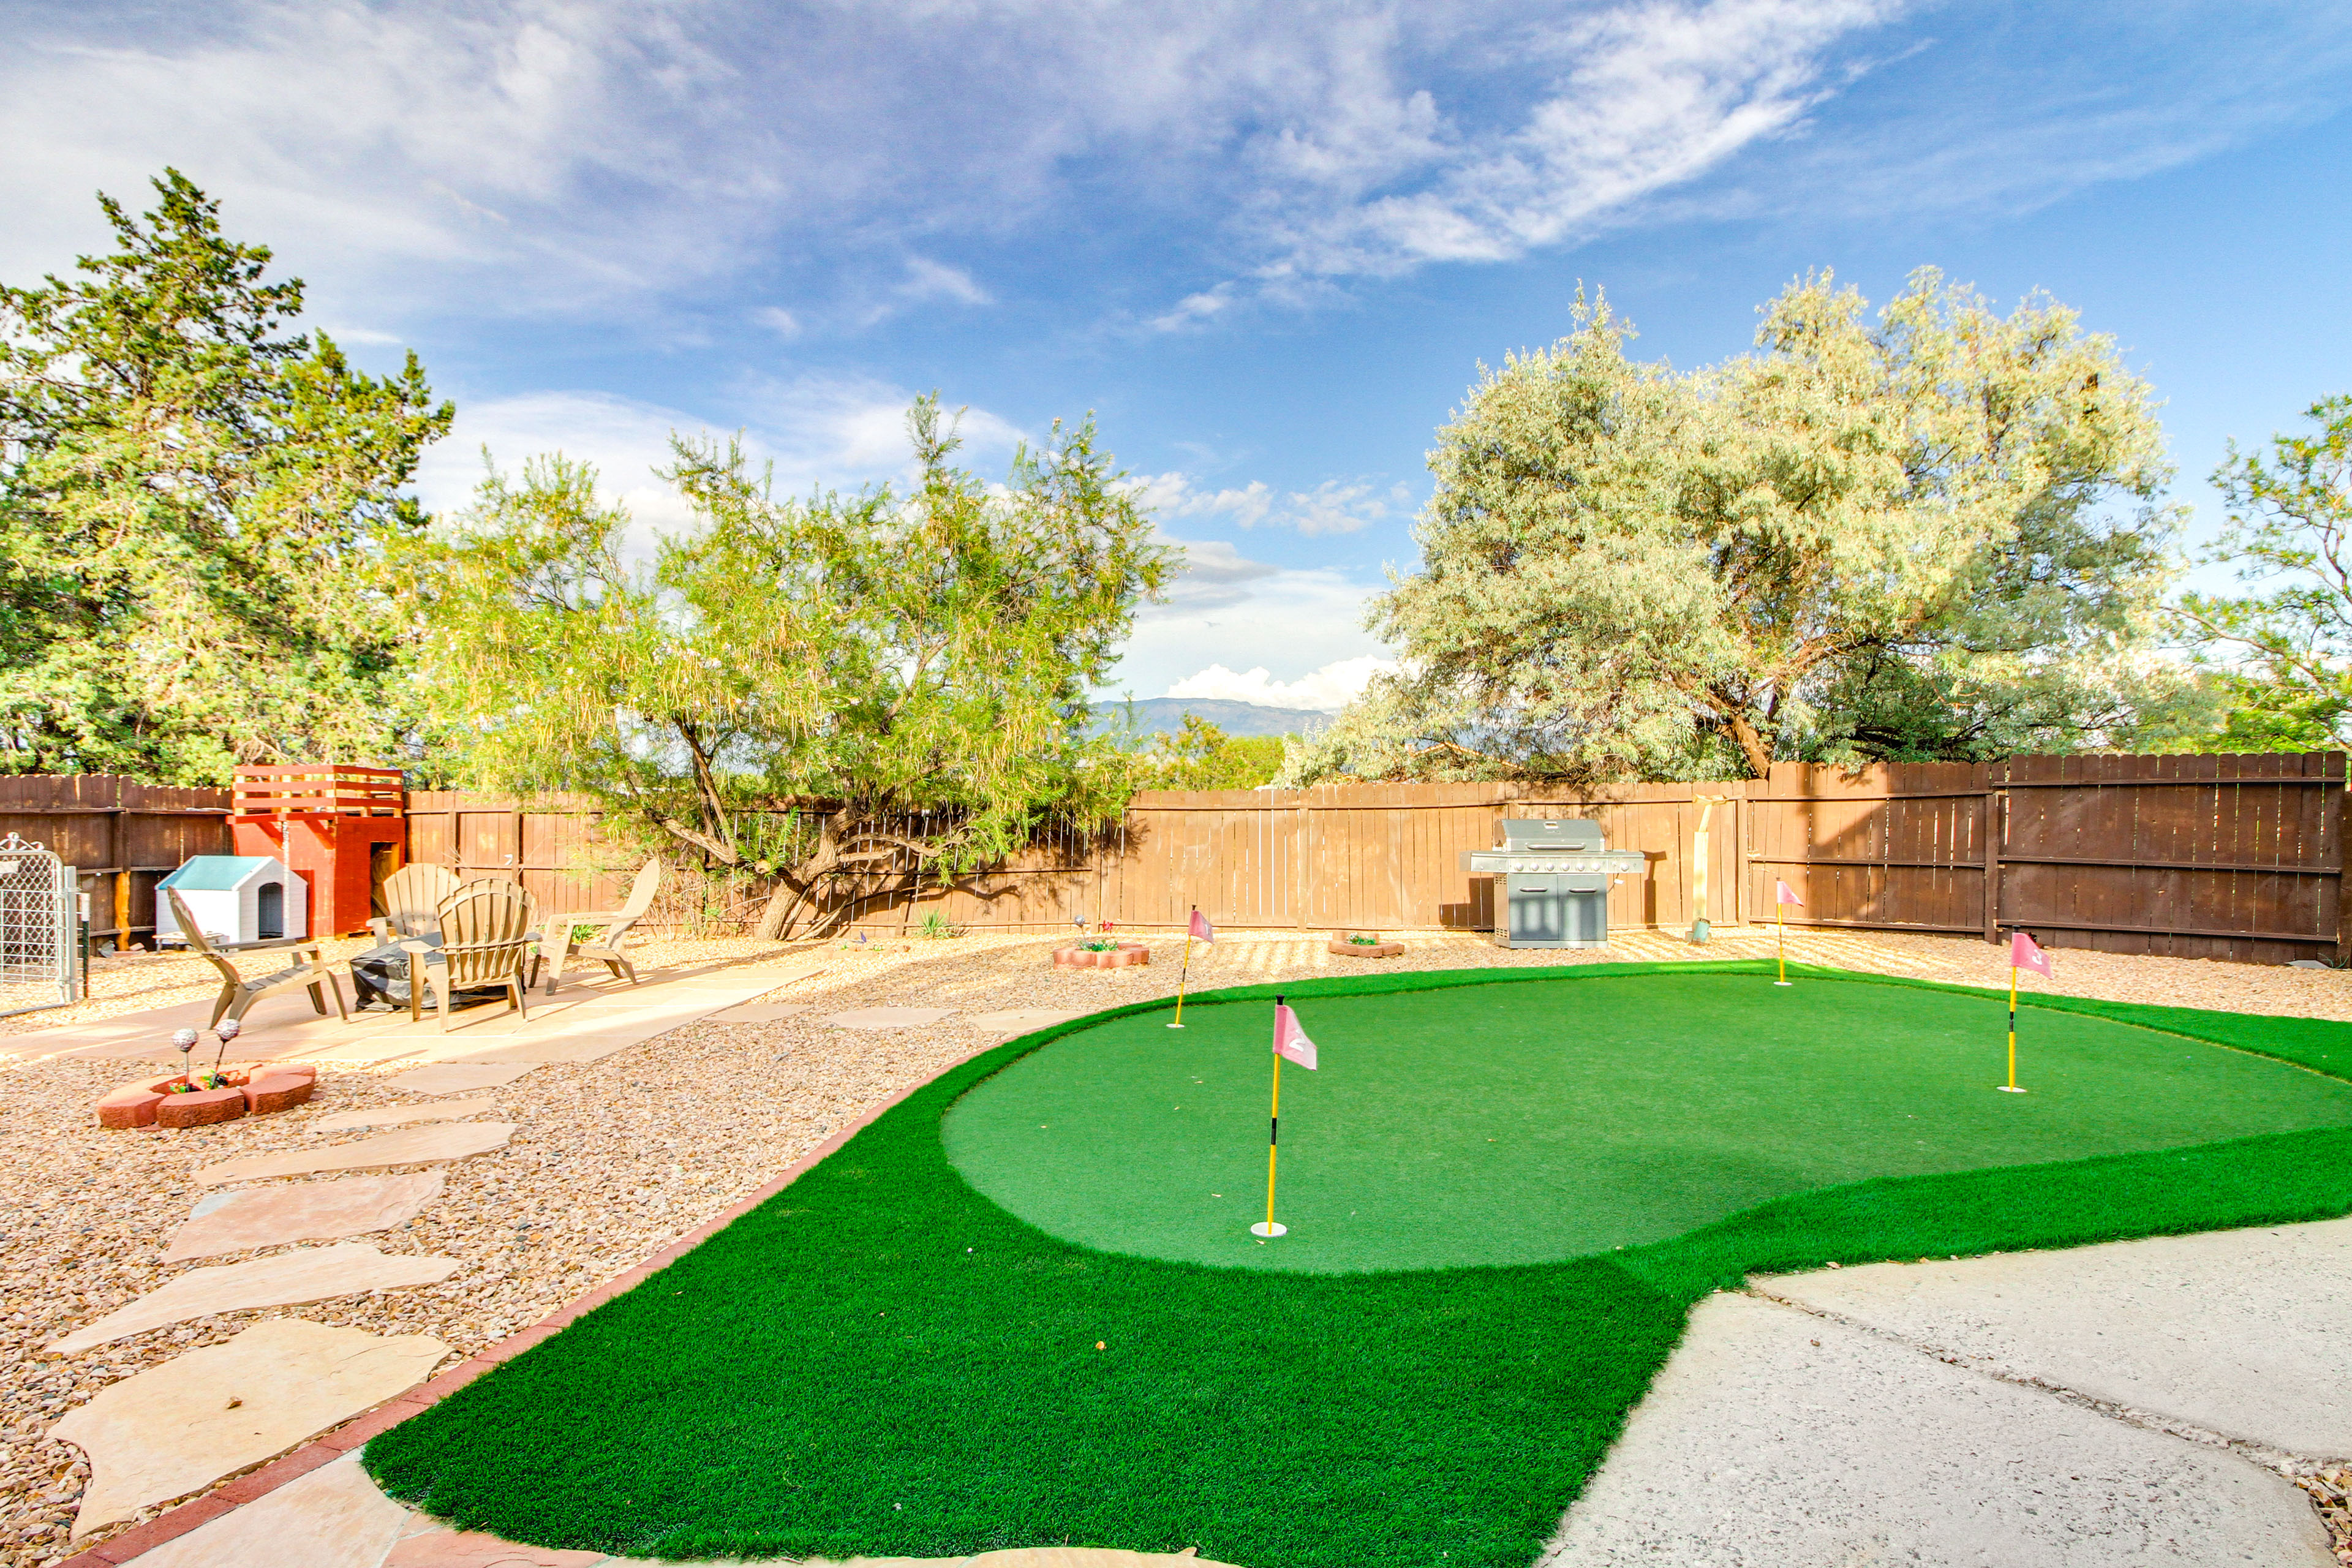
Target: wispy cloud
1330	688
1335	506
815	432
465	158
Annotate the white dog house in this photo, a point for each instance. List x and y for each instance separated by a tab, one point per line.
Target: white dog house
237	898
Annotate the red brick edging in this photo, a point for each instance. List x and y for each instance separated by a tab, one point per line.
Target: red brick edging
325	1450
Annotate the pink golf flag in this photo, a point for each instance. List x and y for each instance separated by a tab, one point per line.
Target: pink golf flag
1201	929
1785	893
1290	1041
2025	954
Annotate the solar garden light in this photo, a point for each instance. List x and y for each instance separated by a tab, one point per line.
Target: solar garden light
184	1041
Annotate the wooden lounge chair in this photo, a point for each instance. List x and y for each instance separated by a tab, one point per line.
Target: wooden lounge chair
411	895
609	942
488	929
237	994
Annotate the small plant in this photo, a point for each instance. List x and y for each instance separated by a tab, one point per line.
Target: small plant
936	927
1098	944
1360	940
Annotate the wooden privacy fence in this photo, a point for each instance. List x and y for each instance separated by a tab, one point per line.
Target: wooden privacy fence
122	836
2196	857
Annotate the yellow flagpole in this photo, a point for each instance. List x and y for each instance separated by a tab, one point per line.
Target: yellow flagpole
1781	921
1184	972
1273	1143
1273	1138
2010	1087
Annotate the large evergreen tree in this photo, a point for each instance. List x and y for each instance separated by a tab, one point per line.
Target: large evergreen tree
194	505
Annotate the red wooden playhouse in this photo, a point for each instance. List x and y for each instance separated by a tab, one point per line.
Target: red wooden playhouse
342	827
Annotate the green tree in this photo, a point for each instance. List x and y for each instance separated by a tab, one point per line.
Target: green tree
2284	657
1934	535
1201	755
195	503
876	683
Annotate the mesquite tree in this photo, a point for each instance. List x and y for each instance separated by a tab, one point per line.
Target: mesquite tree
795	688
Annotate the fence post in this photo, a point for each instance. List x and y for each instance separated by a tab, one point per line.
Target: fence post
2335	764
1992	856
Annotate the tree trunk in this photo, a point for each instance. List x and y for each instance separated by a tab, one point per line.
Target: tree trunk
1751	742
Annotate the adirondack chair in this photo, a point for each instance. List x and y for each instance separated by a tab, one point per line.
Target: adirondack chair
609	942
238	993
488	929
411	895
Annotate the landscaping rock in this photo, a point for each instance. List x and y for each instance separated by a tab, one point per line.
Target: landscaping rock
761	1011
214	1411
887	1017
312	1211
311	1274
416	1146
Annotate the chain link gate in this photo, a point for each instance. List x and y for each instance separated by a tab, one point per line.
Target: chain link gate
39	904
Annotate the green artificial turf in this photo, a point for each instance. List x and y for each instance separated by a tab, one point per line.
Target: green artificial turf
882	1361
1530	1122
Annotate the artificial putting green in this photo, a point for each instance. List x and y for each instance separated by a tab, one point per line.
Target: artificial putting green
1529	1122
881	1360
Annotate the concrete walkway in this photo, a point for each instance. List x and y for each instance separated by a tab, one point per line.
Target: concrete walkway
2141	1403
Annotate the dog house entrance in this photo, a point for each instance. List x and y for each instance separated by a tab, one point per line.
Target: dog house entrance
37	910
270	911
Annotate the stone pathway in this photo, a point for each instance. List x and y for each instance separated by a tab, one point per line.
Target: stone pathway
182	1424
2143	1402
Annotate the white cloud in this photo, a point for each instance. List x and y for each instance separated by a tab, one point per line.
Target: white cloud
1335	506
817	432
1246	614
1330	688
555	154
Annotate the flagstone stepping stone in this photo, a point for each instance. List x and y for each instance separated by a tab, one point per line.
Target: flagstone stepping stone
312	1211
311	1274
761	1011
887	1017
166	1431
335	1517
458	1077
1021	1020
399	1115
566	1048
411	1146
473	1549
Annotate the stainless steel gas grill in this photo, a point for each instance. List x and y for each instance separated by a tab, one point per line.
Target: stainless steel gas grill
1552	878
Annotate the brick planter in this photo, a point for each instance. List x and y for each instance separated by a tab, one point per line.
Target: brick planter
1119	957
255	1090
1346	949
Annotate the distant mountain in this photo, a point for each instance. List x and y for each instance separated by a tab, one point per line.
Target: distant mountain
1166	714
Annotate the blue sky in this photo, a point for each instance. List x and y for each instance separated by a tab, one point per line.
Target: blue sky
1268	245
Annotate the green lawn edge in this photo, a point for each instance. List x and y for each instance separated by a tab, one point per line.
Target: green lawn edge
1455	1411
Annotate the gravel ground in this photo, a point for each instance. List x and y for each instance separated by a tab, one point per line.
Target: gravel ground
616	1159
